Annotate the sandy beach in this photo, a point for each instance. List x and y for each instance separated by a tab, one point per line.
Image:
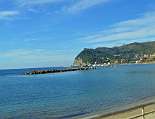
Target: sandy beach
144	109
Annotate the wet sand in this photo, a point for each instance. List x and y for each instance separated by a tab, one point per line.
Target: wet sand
144	109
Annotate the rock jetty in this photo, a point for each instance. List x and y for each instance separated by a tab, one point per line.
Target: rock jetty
34	72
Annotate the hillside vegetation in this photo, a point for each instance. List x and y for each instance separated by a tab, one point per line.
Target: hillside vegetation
131	53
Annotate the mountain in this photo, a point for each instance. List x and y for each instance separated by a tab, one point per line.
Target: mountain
130	53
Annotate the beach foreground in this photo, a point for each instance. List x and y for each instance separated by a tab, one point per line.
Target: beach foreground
140	111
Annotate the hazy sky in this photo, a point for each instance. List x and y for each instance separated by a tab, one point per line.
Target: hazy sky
36	33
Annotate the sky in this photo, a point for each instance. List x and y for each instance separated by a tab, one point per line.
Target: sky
41	33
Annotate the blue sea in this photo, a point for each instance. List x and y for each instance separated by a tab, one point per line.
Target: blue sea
73	94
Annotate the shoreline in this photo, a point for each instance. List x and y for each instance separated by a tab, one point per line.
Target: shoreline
128	111
29	68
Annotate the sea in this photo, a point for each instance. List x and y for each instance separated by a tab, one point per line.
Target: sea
73	94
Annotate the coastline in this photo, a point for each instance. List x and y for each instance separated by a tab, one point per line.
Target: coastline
129	111
135	63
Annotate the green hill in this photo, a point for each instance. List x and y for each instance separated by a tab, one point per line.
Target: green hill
131	53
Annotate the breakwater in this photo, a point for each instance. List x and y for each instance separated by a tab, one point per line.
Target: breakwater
34	72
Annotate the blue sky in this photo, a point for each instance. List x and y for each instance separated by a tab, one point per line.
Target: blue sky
40	33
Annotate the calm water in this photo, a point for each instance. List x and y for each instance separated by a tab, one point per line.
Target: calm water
67	95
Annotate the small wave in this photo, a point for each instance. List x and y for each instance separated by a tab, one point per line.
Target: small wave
72	115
